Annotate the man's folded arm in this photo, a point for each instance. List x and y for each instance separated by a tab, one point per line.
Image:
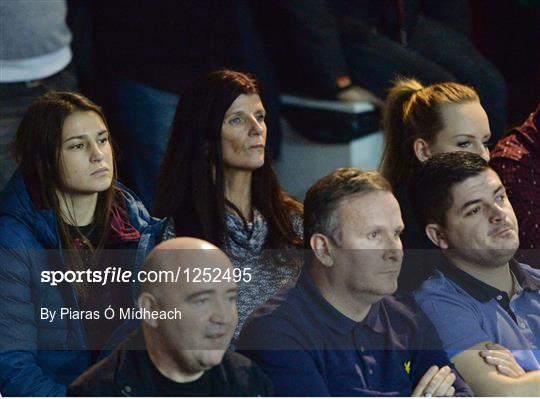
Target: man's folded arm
485	380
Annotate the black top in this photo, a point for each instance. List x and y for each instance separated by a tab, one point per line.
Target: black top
420	254
129	372
202	386
89	233
99	297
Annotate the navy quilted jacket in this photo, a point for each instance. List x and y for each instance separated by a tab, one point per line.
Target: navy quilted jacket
39	357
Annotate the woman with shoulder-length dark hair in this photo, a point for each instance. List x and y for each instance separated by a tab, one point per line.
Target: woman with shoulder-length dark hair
64	198
217	183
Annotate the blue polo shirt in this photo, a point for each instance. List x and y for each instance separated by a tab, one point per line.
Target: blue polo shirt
308	348
467	311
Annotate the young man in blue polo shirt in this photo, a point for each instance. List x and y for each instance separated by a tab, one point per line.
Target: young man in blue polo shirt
479	294
338	331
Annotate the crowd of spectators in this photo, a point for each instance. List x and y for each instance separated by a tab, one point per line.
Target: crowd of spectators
418	280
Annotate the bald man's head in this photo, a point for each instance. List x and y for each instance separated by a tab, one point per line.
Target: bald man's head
176	261
199	285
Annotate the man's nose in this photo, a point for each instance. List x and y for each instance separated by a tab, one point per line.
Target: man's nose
393	255
497	214
223	313
394	249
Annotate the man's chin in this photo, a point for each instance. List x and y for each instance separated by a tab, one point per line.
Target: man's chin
497	256
508	246
506	253
384	290
210	358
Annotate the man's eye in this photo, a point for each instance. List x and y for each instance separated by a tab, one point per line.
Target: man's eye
373	235
260	118
201	301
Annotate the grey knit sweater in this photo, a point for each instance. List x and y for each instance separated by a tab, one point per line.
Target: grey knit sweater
250	248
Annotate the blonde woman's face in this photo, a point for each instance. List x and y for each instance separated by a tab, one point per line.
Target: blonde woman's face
466	128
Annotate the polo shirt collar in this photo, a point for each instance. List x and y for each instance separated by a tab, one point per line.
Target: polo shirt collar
527	282
375	320
333	318
481	291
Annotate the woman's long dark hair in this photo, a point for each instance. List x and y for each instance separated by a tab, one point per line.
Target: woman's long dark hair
191	182
38	146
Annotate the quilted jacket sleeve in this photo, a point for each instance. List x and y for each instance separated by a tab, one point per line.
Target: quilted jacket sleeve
20	374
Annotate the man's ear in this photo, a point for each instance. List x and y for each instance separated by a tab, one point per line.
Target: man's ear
421	149
321	246
148	301
436	235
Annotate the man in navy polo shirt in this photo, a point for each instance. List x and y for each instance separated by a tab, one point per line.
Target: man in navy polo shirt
479	294
338	331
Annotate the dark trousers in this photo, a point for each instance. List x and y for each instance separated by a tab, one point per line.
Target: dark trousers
434	53
15	98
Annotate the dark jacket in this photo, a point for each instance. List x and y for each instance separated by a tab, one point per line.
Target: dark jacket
127	372
39	357
420	254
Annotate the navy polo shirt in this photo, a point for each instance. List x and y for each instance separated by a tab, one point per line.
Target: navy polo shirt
467	311
308	348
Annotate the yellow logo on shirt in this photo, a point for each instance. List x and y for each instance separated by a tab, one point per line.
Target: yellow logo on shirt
407	366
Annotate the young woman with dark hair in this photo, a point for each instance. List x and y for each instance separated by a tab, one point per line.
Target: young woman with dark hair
63	197
420	121
217	183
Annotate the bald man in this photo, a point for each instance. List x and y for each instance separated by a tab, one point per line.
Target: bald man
185	353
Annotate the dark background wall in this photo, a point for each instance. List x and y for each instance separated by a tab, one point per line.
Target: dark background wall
507	32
